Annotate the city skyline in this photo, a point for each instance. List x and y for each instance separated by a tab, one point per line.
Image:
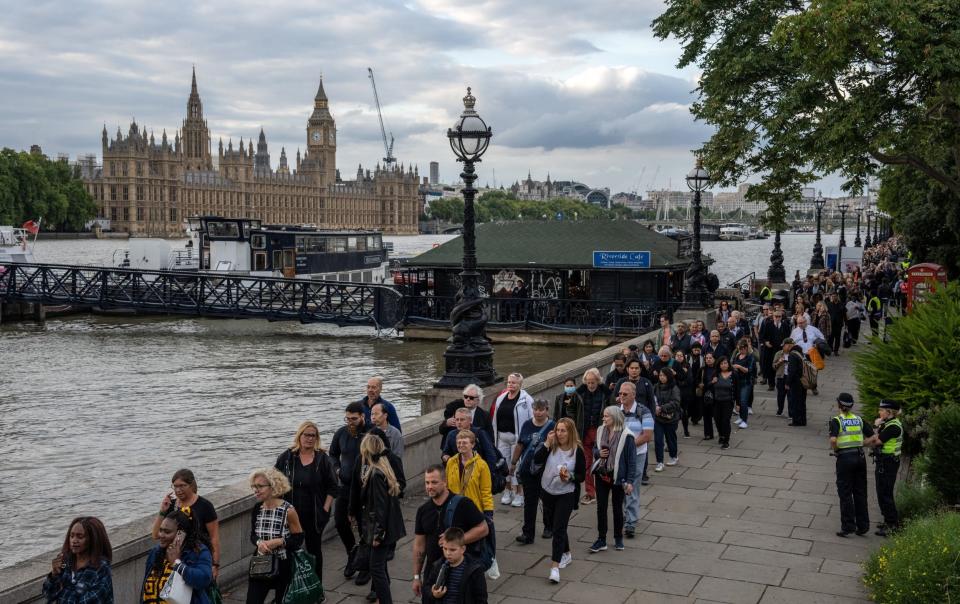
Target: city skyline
596	101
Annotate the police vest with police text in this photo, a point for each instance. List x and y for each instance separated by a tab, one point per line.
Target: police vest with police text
851	431
893	446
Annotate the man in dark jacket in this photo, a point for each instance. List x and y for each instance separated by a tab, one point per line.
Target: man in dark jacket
345	453
796	393
464	581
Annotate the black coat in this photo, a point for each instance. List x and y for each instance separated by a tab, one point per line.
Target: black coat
473	588
481	419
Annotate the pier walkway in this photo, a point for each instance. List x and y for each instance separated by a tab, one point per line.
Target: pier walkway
754	523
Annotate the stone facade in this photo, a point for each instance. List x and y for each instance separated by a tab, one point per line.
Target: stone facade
148	187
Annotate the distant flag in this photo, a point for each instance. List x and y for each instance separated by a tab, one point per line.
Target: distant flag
32	227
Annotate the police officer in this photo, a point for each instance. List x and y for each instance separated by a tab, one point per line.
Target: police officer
847	435
888	441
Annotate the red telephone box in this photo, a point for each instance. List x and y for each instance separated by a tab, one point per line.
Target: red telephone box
922	279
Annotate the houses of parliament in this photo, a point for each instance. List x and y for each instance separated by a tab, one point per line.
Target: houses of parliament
148	187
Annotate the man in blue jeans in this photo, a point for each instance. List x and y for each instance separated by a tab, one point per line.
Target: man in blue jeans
639	420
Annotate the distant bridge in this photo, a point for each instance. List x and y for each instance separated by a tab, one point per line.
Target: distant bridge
203	294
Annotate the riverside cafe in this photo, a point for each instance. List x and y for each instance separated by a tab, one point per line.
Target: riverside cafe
612	276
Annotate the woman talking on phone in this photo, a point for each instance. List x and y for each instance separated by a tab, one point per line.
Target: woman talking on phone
564	468
180	551
81	572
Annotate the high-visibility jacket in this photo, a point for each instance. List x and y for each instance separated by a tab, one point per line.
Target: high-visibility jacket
851	431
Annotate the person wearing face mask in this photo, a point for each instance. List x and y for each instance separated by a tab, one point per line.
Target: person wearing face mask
569	404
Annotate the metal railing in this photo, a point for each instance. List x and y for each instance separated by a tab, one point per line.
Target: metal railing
626	317
203	294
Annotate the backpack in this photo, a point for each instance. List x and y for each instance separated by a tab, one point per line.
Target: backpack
484	548
808	379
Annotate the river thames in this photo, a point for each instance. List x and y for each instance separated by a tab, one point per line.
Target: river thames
97	412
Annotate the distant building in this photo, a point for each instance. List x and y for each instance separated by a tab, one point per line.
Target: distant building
434	173
148	187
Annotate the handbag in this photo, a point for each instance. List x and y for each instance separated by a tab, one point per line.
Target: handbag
176	590
264	567
305	586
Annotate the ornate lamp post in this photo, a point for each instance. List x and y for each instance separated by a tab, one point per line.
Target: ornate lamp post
695	291
868	241
843	207
816	261
469	356
856	241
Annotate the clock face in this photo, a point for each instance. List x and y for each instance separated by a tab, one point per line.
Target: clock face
315	136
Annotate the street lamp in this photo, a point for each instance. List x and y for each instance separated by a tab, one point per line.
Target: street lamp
868	241
469	356
856	241
843	207
695	291
816	261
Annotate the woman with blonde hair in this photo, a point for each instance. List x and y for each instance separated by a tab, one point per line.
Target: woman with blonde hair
275	530
564	467
377	510
313	485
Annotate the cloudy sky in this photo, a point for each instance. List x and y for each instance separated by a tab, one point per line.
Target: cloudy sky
579	89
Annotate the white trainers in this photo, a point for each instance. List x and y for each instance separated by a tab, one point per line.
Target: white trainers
659	468
517	501
565	560
554	575
507	497
742	424
672	461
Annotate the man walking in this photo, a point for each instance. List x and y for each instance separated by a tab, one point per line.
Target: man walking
847	435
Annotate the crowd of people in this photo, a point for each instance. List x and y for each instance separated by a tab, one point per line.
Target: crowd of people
587	447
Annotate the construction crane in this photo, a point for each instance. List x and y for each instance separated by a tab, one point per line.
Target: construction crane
389	160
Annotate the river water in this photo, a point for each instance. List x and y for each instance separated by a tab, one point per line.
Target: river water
97	412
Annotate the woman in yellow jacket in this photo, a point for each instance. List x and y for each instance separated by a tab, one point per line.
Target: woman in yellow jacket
469	475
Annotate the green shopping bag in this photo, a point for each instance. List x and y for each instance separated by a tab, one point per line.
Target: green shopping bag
305	586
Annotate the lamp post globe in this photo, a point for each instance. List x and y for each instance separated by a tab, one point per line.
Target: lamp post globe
856	241
816	261
695	291
469	356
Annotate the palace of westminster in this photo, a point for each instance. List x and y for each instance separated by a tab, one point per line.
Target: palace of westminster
149	188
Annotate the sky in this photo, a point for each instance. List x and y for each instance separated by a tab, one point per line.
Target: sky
580	90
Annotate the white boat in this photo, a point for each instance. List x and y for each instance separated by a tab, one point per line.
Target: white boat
734	231
15	245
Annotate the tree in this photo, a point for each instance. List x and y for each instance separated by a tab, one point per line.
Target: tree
798	88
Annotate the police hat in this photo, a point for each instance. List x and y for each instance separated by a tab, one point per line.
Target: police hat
845	400
889	404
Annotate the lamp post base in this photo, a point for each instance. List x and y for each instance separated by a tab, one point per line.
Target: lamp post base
468	366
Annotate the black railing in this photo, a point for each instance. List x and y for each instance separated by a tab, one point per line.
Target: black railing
627	317
203	294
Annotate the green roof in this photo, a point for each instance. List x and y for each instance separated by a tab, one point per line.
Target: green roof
554	244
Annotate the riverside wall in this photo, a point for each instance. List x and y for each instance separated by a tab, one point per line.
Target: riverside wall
22	583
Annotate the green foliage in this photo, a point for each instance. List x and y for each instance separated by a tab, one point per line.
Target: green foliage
943	453
919	564
916	499
33	187
796	89
920	364
498	205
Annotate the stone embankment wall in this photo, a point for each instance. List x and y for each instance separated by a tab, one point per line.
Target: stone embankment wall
131	542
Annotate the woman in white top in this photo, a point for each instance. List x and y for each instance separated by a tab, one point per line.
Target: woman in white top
510	411
564	468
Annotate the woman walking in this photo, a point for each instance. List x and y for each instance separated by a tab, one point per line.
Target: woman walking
180	550
615	468
564	468
313	486
276	531
81	573
724	396
745	366
594	397
379	508
184	495
666	418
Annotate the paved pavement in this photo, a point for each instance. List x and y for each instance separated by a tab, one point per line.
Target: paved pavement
754	523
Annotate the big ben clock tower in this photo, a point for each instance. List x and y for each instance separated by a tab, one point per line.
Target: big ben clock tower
322	141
